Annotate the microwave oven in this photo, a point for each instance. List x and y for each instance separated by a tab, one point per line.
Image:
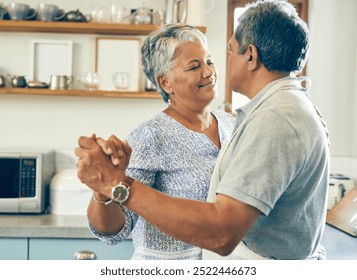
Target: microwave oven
24	180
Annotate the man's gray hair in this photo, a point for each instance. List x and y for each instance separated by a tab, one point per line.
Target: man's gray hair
280	35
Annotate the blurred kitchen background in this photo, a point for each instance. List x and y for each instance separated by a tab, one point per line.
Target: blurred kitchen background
55	121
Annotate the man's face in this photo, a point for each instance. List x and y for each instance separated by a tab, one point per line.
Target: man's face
236	69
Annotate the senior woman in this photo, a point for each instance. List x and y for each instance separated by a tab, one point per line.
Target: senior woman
175	151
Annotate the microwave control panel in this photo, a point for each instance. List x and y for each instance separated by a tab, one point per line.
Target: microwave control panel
28	178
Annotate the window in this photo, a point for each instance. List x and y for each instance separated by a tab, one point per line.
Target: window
235	8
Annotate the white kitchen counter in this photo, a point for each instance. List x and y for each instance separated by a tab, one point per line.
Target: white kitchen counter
44	226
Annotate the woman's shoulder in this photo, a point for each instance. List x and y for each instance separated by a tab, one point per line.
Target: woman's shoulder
151	128
155	122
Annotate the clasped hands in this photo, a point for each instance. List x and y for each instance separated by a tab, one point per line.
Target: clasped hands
102	163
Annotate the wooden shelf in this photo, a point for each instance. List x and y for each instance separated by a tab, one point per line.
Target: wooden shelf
79	27
78	92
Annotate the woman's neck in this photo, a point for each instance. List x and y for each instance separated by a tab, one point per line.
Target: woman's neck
194	120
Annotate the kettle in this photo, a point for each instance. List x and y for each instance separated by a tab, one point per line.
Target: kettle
176	11
75	16
17	81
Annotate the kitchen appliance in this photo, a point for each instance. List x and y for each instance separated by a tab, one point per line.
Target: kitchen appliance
24	180
68	195
339	186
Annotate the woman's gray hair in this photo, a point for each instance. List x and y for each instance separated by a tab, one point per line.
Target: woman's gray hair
157	52
280	35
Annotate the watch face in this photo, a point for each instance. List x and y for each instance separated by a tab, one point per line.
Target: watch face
120	193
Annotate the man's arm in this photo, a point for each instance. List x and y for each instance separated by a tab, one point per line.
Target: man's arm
218	226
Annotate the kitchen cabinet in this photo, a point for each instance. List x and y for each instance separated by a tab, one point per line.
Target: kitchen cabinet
54	237
63	249
69	249
13	248
79	28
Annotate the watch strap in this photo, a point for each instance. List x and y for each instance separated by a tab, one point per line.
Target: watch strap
128	181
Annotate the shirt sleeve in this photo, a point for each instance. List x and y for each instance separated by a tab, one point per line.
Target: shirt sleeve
130	219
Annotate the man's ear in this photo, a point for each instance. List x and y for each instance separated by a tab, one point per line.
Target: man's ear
164	83
252	57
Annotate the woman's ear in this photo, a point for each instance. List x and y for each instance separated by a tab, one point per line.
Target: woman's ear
164	83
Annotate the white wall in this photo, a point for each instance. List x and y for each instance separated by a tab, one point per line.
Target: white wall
56	122
333	69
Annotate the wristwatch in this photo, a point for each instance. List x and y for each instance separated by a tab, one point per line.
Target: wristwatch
120	192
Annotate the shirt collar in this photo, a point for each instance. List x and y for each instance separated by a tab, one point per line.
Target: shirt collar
247	108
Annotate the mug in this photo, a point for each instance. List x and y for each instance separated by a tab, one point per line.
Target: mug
47	12
60	81
20	11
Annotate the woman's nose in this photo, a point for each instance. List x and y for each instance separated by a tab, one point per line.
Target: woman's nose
208	71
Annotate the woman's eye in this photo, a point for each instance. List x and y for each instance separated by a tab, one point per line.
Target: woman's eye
194	67
210	62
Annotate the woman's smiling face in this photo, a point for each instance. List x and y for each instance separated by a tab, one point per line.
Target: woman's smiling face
193	78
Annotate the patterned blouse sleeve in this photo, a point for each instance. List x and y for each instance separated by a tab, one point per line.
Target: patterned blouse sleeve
142	167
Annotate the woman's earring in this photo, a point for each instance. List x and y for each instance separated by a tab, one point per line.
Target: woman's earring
169	101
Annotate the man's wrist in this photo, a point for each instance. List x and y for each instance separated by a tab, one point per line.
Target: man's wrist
120	192
105	201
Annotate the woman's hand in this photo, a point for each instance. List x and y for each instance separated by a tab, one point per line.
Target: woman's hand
116	149
95	168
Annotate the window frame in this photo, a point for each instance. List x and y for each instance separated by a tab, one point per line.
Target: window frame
302	9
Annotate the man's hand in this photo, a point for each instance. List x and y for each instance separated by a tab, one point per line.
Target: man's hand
95	168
